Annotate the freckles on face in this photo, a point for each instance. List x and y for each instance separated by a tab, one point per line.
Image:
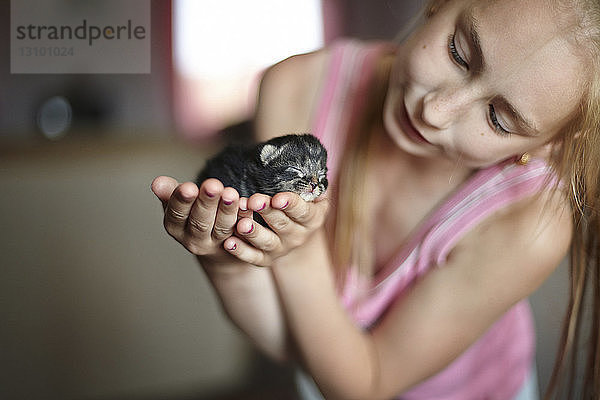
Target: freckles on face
418	58
535	61
528	71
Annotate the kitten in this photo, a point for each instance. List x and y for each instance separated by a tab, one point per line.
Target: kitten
291	163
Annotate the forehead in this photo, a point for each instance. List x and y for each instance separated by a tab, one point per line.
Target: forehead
530	58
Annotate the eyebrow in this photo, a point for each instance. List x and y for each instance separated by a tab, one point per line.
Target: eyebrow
472	26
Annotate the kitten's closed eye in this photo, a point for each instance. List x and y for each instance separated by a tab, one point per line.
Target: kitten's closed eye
309	184
291	163
294	170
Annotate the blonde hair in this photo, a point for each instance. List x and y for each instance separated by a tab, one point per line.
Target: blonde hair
352	227
576	162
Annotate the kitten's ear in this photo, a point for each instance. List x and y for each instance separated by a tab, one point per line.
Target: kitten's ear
270	152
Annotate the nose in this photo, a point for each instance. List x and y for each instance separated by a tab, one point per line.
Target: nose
442	106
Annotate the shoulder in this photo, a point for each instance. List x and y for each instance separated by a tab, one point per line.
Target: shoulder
519	246
498	263
287	94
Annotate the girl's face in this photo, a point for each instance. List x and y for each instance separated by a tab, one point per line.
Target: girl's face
482	81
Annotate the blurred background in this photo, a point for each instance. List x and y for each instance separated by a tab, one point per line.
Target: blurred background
96	302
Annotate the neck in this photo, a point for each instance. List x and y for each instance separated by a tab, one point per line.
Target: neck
440	172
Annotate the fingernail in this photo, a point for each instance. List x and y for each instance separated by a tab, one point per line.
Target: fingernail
209	194
263	207
243	208
287	203
232	247
251	229
227	202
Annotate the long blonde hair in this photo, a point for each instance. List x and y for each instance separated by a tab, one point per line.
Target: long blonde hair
352	226
576	162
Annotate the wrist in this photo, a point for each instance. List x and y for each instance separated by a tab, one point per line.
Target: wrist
222	264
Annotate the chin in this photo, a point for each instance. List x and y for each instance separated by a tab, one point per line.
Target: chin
307	196
311	195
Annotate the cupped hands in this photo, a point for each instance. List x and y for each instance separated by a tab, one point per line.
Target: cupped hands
212	220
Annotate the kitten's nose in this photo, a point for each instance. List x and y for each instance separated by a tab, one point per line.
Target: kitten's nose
313	183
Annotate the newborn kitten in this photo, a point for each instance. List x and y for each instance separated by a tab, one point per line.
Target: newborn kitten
291	163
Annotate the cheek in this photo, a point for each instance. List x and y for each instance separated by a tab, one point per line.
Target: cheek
422	56
483	149
414	69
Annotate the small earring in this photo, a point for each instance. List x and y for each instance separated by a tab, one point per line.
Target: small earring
524	159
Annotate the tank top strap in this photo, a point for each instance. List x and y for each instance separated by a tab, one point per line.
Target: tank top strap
484	193
343	93
490	191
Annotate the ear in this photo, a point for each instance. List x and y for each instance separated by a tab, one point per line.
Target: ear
270	152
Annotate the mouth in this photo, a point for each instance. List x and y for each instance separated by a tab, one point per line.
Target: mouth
311	192
407	126
309	195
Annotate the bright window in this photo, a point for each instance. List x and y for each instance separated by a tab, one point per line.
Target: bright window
220	48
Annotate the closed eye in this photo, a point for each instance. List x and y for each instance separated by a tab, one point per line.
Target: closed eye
498	128
295	170
453	51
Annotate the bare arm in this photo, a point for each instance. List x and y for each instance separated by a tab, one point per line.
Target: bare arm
288	95
440	318
204	224
250	300
248	294
201	223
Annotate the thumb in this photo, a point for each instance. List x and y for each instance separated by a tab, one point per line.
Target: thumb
163	187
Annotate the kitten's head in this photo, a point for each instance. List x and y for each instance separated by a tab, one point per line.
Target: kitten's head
298	164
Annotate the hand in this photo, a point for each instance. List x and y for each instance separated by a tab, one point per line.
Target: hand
291	219
199	218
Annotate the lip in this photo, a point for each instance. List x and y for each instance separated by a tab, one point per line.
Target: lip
407	126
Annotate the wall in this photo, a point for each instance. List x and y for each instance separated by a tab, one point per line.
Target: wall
96	301
130	105
378	19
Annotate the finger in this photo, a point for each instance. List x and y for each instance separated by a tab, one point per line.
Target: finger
203	212
300	211
258	202
163	187
245	252
277	219
257	235
226	214
243	211
178	208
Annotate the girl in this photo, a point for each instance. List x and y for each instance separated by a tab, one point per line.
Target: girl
464	163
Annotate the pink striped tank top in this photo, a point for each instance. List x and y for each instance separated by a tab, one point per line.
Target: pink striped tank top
496	366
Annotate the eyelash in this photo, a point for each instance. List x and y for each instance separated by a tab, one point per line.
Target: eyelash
497	127
454	53
462	63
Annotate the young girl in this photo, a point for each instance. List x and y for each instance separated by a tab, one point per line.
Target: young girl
464	163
